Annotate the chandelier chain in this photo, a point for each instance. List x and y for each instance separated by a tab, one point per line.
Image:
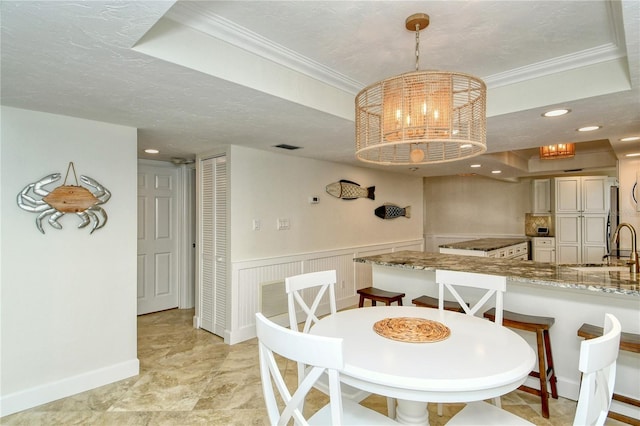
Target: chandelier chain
417	46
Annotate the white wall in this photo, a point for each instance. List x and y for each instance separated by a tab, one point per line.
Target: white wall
475	205
68	298
268	186
627	176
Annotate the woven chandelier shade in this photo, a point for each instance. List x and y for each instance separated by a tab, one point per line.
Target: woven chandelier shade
421	117
557	151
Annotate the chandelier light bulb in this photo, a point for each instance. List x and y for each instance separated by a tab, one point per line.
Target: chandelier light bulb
416	155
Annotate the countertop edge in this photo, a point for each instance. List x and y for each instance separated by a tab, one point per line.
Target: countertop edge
519	271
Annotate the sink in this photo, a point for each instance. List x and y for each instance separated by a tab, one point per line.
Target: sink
600	268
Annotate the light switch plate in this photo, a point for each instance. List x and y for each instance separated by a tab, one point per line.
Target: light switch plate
283	224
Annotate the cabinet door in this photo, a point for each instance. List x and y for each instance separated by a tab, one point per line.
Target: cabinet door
594	229
594	190
568	194
568	239
541	196
544	255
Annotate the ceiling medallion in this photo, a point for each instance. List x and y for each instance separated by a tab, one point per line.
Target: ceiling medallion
421	117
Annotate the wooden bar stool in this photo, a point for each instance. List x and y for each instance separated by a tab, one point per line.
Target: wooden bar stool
546	372
378	295
628	342
431	302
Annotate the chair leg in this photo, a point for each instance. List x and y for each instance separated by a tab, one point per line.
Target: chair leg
391	408
550	368
497	402
544	394
361	303
399	302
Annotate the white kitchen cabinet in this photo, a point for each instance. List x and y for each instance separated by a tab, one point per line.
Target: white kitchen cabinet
543	249
580	206
581	194
580	238
541	196
516	252
519	251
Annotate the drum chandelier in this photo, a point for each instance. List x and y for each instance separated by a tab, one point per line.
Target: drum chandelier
421	117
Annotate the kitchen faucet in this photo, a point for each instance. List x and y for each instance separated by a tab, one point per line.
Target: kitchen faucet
634	266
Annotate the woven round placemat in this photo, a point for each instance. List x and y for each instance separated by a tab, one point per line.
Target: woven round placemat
414	330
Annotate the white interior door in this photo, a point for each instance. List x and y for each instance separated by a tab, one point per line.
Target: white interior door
213	244
157	240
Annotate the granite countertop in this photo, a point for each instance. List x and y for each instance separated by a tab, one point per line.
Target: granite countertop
524	271
485	244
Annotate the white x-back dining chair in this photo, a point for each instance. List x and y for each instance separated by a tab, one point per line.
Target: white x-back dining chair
315	285
598	366
324	356
494	286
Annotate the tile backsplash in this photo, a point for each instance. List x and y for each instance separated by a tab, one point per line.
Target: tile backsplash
533	222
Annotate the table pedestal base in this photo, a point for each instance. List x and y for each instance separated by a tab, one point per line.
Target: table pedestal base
412	413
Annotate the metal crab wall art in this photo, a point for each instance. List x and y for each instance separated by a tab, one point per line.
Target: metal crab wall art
65	199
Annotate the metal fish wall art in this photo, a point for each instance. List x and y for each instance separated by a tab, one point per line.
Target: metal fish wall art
348	190
391	211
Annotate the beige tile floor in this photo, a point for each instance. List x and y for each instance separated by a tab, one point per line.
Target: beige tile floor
190	377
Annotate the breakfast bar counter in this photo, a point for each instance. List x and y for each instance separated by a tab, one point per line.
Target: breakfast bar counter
516	271
571	294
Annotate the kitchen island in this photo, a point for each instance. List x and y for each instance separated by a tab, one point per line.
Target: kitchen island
506	248
571	296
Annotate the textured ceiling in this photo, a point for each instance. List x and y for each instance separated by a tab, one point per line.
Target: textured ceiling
194	75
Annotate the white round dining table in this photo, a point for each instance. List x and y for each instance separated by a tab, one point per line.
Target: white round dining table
479	360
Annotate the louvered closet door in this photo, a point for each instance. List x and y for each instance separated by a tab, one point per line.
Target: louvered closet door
213	237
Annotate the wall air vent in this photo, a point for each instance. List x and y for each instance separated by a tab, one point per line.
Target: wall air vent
285	146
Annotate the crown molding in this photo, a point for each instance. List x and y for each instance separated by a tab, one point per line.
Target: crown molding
571	61
243	38
189	14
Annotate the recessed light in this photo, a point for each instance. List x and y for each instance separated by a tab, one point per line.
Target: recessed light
556	112
630	139
476	165
151	151
635	154
589	128
495	172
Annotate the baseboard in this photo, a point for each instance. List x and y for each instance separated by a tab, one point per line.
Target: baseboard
29	398
566	388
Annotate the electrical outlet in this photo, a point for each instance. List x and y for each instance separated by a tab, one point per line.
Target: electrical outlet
256	224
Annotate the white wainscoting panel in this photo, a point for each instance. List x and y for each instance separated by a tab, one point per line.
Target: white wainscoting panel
248	276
